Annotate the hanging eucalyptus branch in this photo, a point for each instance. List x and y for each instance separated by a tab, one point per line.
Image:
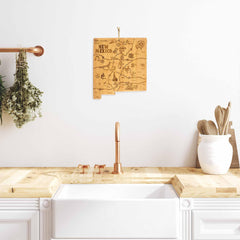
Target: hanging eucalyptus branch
2	95
22	100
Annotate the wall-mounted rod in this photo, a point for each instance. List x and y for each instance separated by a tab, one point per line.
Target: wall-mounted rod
37	50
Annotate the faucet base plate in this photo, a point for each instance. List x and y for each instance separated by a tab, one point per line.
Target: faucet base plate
117	168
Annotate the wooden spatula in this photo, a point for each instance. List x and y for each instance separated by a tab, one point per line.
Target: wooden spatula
226	119
219	116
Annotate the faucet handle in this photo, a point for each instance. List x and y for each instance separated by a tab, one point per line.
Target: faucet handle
99	167
83	167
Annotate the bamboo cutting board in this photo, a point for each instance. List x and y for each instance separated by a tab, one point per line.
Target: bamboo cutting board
119	65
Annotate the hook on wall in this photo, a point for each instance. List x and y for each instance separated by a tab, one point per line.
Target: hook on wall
118	28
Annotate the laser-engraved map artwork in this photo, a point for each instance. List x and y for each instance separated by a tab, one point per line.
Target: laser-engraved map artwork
119	64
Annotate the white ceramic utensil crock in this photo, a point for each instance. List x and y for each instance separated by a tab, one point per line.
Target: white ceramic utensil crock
215	153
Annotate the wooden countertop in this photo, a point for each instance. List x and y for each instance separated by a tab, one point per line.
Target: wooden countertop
188	182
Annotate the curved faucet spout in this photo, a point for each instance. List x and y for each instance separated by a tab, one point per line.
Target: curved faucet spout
117	132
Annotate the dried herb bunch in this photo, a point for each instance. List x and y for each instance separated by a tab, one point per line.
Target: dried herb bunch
2	95
22	100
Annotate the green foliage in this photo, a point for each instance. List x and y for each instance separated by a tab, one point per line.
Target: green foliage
2	95
22	100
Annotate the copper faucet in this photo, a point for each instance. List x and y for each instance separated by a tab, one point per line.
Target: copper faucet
117	165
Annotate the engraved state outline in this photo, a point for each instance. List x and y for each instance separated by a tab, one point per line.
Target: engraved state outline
107	85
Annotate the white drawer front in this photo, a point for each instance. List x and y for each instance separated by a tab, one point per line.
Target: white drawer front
19	225
216	224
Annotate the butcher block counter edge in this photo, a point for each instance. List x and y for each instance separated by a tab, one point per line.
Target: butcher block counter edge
187	182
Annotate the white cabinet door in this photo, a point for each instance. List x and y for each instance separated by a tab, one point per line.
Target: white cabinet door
19	225
216	224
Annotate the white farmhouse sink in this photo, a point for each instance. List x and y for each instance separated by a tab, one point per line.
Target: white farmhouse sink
115	211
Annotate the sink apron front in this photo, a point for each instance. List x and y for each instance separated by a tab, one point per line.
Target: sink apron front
115	218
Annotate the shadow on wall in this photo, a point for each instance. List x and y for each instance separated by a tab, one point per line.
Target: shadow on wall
192	151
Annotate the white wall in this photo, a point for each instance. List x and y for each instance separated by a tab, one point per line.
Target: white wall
193	65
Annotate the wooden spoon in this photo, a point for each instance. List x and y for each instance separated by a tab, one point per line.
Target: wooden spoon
210	128
207	127
226	119
201	127
219	116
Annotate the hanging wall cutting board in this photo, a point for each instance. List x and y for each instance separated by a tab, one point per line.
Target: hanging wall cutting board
119	64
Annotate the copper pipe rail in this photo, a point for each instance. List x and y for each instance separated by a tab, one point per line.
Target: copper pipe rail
37	50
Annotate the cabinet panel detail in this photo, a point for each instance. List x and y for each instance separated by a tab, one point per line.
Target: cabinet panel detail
19	203
216	224
45	219
20	225
217	203
186	225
